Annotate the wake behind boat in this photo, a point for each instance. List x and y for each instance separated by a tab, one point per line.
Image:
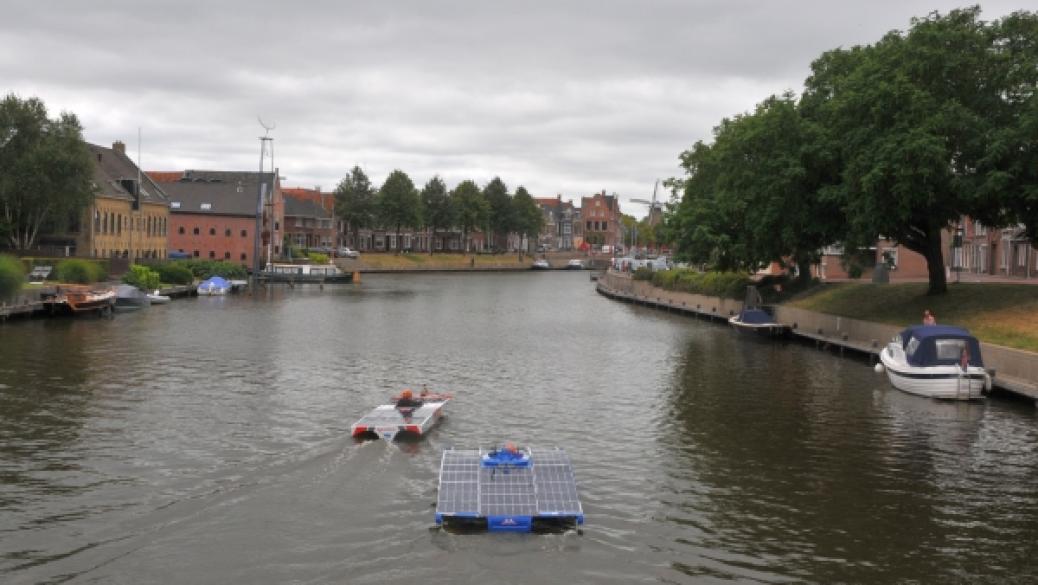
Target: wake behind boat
936	361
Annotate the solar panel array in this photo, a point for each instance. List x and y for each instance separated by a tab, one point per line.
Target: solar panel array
545	488
389	415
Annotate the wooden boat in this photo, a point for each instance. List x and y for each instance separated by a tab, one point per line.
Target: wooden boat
301	273
85	299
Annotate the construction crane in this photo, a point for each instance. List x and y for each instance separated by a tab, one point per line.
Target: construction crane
655	207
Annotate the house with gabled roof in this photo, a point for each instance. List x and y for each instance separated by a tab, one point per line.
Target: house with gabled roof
213	213
129	216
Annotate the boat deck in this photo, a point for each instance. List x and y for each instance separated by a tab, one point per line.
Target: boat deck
387	421
539	496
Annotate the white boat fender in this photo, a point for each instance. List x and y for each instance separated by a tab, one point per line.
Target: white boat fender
987	382
878	367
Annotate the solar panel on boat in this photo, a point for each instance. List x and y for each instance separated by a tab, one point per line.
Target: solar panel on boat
508	495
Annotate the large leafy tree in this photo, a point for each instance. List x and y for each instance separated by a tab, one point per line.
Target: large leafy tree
473	209
502	218
47	171
914	115
438	207
527	215
398	203
355	201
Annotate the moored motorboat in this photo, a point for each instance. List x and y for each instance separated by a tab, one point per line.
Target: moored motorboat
130	298
754	318
157	298
575	264
937	361
84	299
541	264
214	286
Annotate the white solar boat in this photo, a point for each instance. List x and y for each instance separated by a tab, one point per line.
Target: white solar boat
508	490
389	422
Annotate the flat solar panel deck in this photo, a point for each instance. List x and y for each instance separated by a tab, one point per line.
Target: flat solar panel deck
387	421
538	494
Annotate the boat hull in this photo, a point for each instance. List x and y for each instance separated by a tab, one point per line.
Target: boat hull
940	382
388	422
765	329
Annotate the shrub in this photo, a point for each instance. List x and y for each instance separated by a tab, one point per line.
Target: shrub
318	258
142	277
174	273
643	273
11	276
204	269
80	271
715	284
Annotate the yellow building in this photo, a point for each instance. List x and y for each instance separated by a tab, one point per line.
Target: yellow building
124	220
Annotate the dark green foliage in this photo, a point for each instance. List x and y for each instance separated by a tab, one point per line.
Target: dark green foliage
502	217
473	209
355	200
438	208
47	175
730	285
203	269
527	214
398	203
79	271
142	277
11	276
175	273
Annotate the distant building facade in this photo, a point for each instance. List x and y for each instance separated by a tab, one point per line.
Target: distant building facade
561	219
600	214
213	214
310	218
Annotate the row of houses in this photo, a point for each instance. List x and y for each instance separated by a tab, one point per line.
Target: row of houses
140	214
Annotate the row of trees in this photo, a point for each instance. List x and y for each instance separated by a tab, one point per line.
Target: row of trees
45	171
896	139
398	204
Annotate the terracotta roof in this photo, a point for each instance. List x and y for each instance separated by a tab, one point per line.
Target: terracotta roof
327	200
165	176
296	207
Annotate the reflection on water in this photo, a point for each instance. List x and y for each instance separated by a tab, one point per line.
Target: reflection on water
209	439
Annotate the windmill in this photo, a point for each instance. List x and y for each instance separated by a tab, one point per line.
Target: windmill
655	207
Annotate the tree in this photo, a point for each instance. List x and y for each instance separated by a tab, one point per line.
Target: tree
914	115
398	203
501	219
438	207
528	216
473	209
46	181
355	201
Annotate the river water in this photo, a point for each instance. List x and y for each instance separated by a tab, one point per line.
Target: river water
207	441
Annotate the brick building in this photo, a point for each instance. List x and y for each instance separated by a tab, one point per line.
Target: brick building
561	224
213	214
600	214
309	218
126	219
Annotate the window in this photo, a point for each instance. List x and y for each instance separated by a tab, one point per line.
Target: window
227	232
226	255
243	256
212	254
277	225
195	231
174	205
979	229
1021	255
180	230
244	234
913	344
890	257
196	254
206	206
212	231
950	349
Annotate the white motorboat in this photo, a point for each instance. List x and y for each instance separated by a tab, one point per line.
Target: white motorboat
541	264
575	264
157	298
936	361
753	318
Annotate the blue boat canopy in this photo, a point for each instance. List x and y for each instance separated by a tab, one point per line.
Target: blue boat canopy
216	281
940	345
755	317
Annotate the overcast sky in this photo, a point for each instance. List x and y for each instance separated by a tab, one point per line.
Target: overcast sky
563	97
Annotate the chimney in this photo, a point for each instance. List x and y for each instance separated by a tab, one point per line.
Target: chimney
119	147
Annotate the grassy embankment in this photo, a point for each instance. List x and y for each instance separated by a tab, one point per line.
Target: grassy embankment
389	261
1003	314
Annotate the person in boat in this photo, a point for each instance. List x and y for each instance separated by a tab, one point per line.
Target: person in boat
407	400
928	318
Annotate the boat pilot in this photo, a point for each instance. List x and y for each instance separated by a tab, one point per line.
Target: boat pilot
407	400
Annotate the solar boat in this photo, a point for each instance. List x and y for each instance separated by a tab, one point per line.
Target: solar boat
508	490
389	422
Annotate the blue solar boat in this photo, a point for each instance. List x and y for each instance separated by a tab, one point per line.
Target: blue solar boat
508	490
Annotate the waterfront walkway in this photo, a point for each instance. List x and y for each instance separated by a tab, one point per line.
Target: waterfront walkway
1014	371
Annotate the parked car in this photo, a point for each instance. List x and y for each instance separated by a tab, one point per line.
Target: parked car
344	252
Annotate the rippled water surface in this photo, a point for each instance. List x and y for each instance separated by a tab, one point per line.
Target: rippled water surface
207	441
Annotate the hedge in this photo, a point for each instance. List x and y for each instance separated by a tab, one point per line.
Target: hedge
174	273
203	269
142	277
80	271
730	285
11	276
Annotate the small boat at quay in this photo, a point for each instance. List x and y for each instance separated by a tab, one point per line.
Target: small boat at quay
158	298
541	264
85	299
754	318
937	361
301	273
214	286
130	298
575	264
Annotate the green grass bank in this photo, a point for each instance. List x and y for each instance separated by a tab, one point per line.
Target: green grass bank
1003	314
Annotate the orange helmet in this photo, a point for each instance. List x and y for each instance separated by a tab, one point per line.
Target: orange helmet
406	393
511	448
